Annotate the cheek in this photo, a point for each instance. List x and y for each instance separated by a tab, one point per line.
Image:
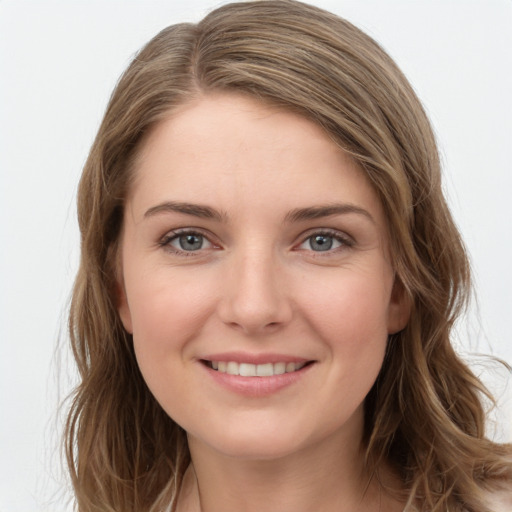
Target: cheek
167	309
168	312
348	301
349	313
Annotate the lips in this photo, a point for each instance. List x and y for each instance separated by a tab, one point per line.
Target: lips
245	369
255	375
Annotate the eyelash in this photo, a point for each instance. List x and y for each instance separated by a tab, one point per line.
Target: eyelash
167	239
344	241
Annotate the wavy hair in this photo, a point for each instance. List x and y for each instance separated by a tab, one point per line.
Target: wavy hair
424	414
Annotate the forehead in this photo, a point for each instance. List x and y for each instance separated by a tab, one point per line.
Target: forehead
239	152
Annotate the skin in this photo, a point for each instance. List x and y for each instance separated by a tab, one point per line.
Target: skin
258	283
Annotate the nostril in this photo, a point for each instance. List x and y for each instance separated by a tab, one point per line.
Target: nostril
254	315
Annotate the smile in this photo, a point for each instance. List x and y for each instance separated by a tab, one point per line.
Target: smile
255	370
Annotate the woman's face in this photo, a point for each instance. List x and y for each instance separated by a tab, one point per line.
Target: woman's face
255	278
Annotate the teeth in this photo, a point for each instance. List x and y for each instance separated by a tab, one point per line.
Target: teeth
232	368
290	367
265	370
279	368
247	370
255	370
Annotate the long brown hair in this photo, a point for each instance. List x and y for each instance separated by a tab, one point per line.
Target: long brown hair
424	414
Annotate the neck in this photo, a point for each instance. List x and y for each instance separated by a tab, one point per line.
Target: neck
327	476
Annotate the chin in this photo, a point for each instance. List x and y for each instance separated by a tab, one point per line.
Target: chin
251	443
268	450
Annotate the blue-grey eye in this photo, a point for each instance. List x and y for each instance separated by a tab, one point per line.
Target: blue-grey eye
321	243
189	242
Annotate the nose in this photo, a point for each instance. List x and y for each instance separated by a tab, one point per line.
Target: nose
254	295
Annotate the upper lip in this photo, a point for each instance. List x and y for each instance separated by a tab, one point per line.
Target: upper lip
244	357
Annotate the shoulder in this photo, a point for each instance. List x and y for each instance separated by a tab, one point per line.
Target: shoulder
500	501
499	497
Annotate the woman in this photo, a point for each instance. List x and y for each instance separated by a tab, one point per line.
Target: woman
268	282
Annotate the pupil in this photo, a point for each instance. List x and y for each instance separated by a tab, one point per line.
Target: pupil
321	243
191	242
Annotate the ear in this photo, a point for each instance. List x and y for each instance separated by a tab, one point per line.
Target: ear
122	306
399	310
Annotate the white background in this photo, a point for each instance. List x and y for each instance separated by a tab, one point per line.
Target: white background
58	64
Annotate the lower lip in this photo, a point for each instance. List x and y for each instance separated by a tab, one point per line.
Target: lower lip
257	386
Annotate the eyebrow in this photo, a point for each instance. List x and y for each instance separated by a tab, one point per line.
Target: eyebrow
196	210
296	215
317	212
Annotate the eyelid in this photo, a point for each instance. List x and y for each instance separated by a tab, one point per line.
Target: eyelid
345	239
165	241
